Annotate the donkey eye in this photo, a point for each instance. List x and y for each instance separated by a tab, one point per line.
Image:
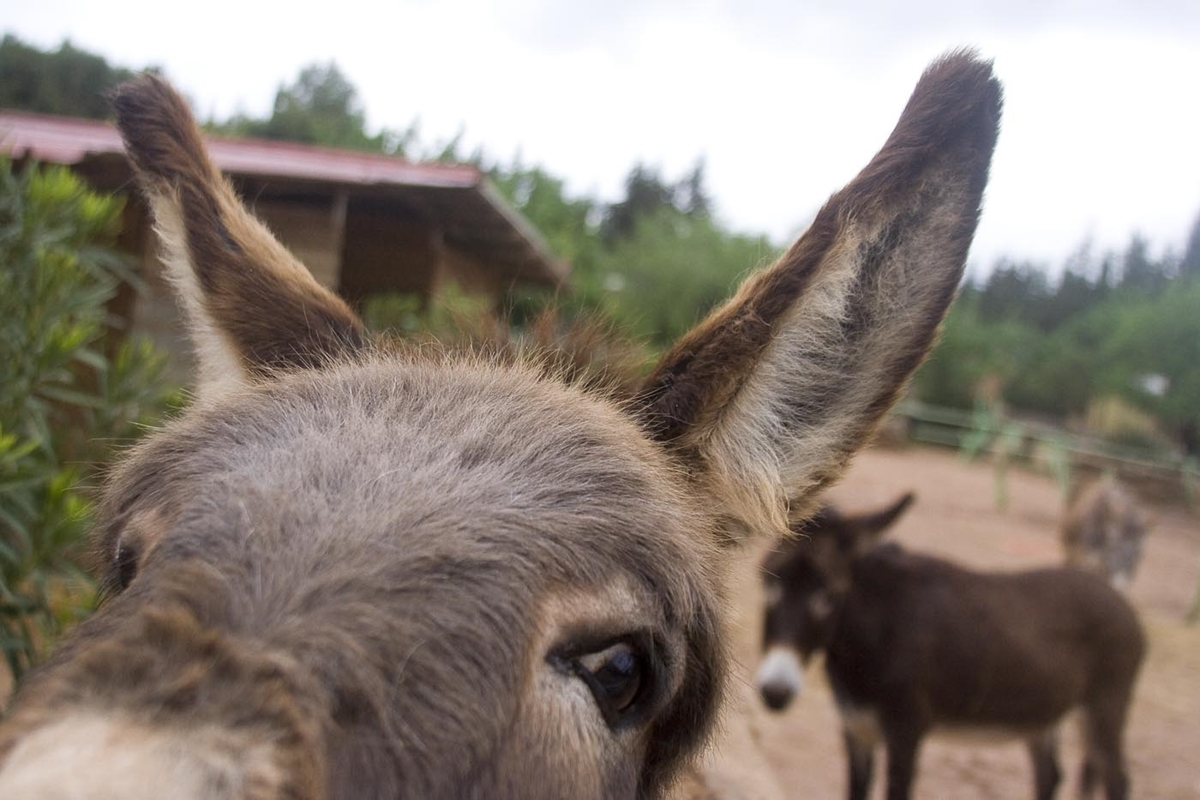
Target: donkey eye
126	564
619	677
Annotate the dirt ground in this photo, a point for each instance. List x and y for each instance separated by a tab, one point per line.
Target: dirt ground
955	516
798	754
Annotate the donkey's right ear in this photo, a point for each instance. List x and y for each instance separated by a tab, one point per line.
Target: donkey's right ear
252	307
768	398
869	527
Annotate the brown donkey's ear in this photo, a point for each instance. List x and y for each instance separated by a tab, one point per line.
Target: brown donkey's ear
870	527
769	397
252	306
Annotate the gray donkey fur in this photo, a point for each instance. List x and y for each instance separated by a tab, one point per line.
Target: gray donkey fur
352	571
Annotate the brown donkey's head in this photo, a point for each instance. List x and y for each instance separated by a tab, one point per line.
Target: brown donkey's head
352	573
804	580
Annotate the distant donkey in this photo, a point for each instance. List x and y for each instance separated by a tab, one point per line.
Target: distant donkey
352	571
1103	531
916	645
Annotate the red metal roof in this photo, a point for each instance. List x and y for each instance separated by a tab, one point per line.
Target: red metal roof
68	140
471	214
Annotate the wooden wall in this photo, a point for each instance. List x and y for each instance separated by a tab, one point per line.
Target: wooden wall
356	247
313	232
386	250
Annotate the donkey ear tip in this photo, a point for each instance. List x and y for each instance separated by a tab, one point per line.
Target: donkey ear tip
958	86
148	102
144	90
965	62
964	56
155	123
966	74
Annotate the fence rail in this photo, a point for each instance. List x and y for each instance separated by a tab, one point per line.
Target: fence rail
1058	450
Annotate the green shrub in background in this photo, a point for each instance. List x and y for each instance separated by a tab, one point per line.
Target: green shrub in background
449	315
65	402
670	270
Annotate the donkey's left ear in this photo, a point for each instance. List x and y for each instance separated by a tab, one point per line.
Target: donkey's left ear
252	307
770	396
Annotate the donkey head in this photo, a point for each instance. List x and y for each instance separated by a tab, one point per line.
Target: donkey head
352	572
1104	530
804	579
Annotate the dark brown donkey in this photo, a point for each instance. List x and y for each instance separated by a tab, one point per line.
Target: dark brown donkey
350	571
916	645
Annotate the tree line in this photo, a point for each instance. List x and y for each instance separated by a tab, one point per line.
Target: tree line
1117	329
1120	327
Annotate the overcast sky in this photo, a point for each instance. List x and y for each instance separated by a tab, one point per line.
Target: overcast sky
1101	132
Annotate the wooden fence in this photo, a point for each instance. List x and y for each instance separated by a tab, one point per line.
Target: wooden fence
1050	448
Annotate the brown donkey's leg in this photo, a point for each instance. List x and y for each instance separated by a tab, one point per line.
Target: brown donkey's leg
1046	773
903	746
1104	725
860	753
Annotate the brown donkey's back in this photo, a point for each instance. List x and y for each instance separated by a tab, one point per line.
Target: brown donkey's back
348	572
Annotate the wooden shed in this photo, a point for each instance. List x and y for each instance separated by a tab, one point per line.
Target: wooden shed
364	223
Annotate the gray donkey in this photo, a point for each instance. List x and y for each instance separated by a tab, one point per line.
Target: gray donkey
352	571
1103	531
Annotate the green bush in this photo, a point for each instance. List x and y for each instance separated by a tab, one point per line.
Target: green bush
70	394
449	314
671	270
971	352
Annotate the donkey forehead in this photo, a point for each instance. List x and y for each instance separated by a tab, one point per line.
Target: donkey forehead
385	453
803	560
